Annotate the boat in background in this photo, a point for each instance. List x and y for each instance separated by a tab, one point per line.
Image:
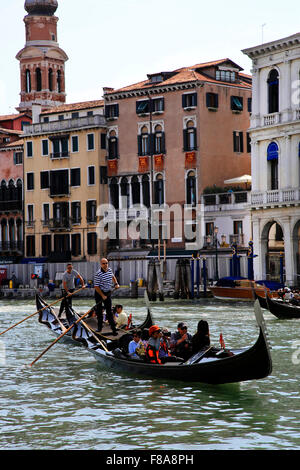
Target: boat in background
238	288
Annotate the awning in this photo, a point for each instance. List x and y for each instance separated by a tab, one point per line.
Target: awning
240	179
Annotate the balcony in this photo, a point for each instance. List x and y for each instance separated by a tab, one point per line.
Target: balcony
225	201
61	224
275	198
67	124
9	247
59	155
124	215
60	192
10	206
271	119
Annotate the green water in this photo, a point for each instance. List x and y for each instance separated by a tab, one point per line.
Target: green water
68	401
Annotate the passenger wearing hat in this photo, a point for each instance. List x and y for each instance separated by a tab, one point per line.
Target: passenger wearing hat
181	342
153	347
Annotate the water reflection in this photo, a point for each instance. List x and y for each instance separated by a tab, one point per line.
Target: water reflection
68	401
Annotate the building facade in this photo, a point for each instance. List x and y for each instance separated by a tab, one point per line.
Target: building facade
275	138
65	180
42	61
170	137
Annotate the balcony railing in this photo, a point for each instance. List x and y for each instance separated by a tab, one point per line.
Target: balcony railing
127	214
14	246
238	197
271	119
61	224
64	125
10	206
276	197
59	155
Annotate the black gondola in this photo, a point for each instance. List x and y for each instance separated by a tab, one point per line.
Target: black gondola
80	334
262	300
245	364
282	309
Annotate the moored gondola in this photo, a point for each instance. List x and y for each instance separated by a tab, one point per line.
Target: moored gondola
243	364
282	309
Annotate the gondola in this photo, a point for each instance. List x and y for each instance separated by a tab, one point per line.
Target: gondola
244	364
282	309
82	334
262	300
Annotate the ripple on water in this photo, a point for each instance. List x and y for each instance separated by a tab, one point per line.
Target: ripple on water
68	401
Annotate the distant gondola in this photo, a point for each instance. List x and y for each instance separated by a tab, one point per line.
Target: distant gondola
283	310
48	317
245	364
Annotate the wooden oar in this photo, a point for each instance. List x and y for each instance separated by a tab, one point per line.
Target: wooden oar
92	333
63	334
41	309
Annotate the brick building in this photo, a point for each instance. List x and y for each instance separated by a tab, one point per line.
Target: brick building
173	135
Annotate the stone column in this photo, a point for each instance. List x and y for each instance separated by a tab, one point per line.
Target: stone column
288	250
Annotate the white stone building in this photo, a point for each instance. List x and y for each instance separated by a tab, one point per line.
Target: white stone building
275	157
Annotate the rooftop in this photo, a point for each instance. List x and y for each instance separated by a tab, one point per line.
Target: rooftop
203	72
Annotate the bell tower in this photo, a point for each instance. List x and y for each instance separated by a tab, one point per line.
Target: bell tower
42	62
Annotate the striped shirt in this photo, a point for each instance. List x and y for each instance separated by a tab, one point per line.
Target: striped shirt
103	279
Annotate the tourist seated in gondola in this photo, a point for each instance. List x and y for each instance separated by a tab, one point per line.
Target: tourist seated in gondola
201	339
296	299
164	352
152	350
136	347
181	342
120	316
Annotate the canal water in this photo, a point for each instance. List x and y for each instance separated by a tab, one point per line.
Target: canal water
69	401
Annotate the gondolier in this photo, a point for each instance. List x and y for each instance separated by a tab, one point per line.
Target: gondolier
68	286
103	281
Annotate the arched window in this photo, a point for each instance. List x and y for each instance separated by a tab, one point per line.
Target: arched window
135	190
146	190
11	191
145	147
114	192
38	79
273	91
190	137
191	197
19	230
272	157
3	191
4	234
58	81
19	190
112	145
50	79
159	140
125	192
27	81
159	190
12	231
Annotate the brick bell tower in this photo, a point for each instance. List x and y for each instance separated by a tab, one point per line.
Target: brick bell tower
42	62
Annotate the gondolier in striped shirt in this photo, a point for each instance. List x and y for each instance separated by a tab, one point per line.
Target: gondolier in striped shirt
103	281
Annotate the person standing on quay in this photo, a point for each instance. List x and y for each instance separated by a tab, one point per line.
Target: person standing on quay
103	280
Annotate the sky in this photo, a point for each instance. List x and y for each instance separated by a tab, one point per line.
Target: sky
114	43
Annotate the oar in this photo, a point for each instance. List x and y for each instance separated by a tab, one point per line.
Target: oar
92	333
41	309
63	334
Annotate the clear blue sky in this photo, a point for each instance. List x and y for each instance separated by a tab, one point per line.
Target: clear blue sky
116	43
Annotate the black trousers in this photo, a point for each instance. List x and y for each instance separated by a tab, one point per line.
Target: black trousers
67	301
107	305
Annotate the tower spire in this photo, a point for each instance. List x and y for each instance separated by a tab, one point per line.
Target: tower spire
42	62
